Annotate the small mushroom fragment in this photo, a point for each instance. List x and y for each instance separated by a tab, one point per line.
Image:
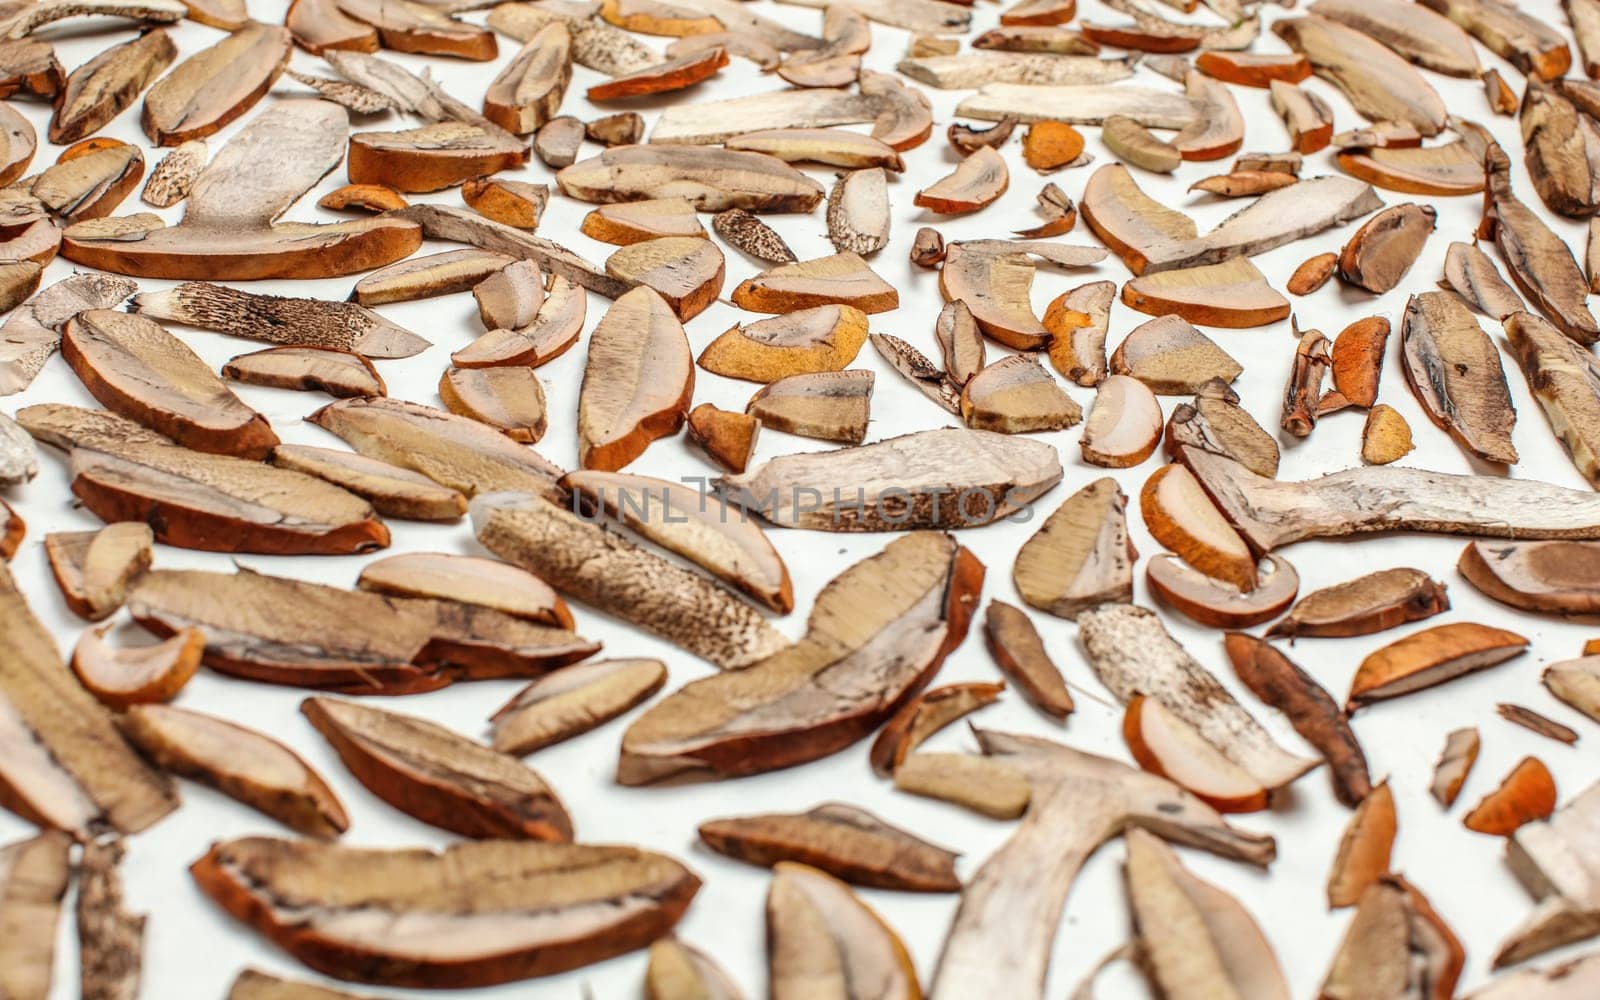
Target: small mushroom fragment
927	249
511	203
1566	981
308	369
1135	144
1312	274
34	876
858	212
1585	19
967	139
1049	145
1077	322
110	939
1303	390
603	569
1357	360
1454	370
1216	603
728	437
1532	721
748	234
634	221
1367	604
848	843
425	276
93	568
528	91
837	63
1454	764
1172	358
595	902
374	198
1386	437
1364	849
108	84
1244	184
1080	556
914	366
1577	683
1394	946
137	675
406	26
1061	212
437	776
1181	516
843	279
1381	85
679	972
1124	424
673	73
1431	656
973	783
1016	395
254	985
1233	293
558	142
1528	793
553	331
1168	747
923	589
470	580
876	487
822	939
686	271
1305	114
1565	379
1470	273
925	715
572	701
1526	42
32	332
637	381
392	490
716	179
1549	577
215	85
978	180
1380	253
509	398
29	66
960	342
89	180
510	297
994	278
1215	422
243	764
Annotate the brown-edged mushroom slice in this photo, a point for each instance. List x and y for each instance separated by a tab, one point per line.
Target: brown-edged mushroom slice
923	716
1528	793
1312	274
1470	273
34	876
1233	293
511	203
439	776
686	271
1080	556
1253	69
843	279
967	139
392	490
407	26
477	913
846	842
974	783
528	91
1371	603
572	701
1455	763
673	73
748	234
1532	721
822	938
1364	849
433	157
558	142
510	298
319	25
1218	128
1356	359
728	437
994	277
1132	143
19	459
89	180
241	763
71	771
924	589
373	198
307	369
1543	577
834	147
659	17
30	66
635	221
900	114
1077	322
446	223
1215	422
699	527
1577	683
93	568
828	406
1061	214
1395	945
1432	656
1565	379
1213	602
595	44
636	383
470	580
820	339
1172	358
1385	437
1540	262
1019	653
553	331
1308	118
1303	391
108	84
716	179
1454	370
679	972
1455	168
604	569
1016	395
24	19
1086	104
1380	253
1380	84
110	939
970	70
914	366
1509	32
977	181
215	85
509	398
858	212
294	322
1035	38
1412	30
136	675
960	342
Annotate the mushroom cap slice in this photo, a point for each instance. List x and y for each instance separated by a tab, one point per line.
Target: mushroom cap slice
637	381
846	842
1213	602
842	279
1431	656
1165	745
573	700
993	277
1550	577
1367	604
136	675
712	179
1454	765
977	181
469	579
1395	945
307	369
1016	395
679	972
1380	253
1454	370
1172	358
554	330
821	937
216	85
632	221
686	271
1381	85
822	338
1564	377
1124	424
1081	556
509	398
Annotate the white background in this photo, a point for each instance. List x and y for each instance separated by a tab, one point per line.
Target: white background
193	951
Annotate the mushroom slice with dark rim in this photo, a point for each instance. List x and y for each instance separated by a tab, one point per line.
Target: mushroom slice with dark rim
1470	273
1308	118
572	701
1081	556
1214	602
842	279
1526	42
1532	721
407	26
1453	369
846	842
923	716
677	972
446	223
977	181
307	369
108	84
554	330
1565	379
1371	603
1380	253
1454	168
373	198
89	180
671	74
831	146
30	66
1018	651
1548	577
994	277
392	490
433	157
822	938
216	85
1016	395
511	203
470	580
509	398
1431	656
93	568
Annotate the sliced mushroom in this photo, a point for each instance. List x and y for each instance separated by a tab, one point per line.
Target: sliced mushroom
1215	422
1470	273
1218	128
319	25
1077	322
1386	437
30	66
512	203
1576	683
848	843
834	147
1253	69
572	701
679	972
1312	274
993	277
821	937
718	178
89	180
858	212
1233	293
595	44
1172	358
1455	168
967	138
1528	793
1528	43
1019	652
355	97
1306	115
923	716
1049	145
393	491
1036	38
1061	214
973	783
374	198
108	84
1357	359
215	85
1244	184
1219	604
110	939
1453	369
960	342
509	398
436	156
1549	857
1454	764
1364	849
470	580
1545	577
407	26
1304	388
1124	425
748	234
728	437
673	73
553	332
1371	603
1431	656
843	279
970	70
558	142
1081	555
528	91
93	568
446	223
1395	945
686	271
1532	721
1380	84
1016	395
337	373
1565	379
1412	30
420	277
136	675
36	875
622	407
977	181
634	221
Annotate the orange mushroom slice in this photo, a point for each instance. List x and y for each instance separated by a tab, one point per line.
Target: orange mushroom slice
1124	424
136	675
1166	746
672	74
1214	602
1528	793
977	181
1182	517
1364	849
823	338
844	279
1454	765
1431	656
995	277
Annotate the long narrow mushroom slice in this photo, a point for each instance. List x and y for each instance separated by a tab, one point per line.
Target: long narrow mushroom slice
712	179
239	762
1527	42
1217	603
1565	379
1455	763
1532	721
859	661
433	157
1364	849
356	98
1241	184
1577	683
444	222
931	16
230	229
1546	577
1165	745
507	398
1470	273
604	569
93	568
1016	395
1453	369
976	784
820	339
926	714
1380	253
406	26
960	342
659	17
633	221
1253	69
216	85
636	383
415	278
1553	858
470	580
1584	16
89	180
993	278
18	143
1172	358
679	972
110	939
1088	104
393	491
1019	652
1077	322
1380	84
1432	656
1050	39
890	485
319	25
71	770
970	70
1132	143
846	842
842	279
729	438
1395	946
1540	261
822	939
1527	794
291	322
1450	169
528	91
685	271
1305	114
1232	294
1270	513
372	198
1216	423
1371	603
452	450
136	368
1081	556
1562	151
473	914
1132	653
23	20
123	472
1218	128
572	701
307	369
108	84
999	943
815	107
1428	39
914	366
34	875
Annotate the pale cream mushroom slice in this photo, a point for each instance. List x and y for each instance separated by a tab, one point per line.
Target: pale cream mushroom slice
1131	142
842	279
393	491
528	91
1364	849
822	938
108	84
509	398
1524	40
1380	84
572	701
319	25
1577	683
121	676
110	938
637	381
1172	358
429	275
470	580
1550	857
976	784
858	212
1395	945
216	85
1565	379
994	279
748	234
819	339
1124	425
679	972
1232	294
960	342
685	271
1016	395
1546	577
34	877
510	298
970	70
340	374
977	181
1080	104
830	146
1453	369
632	221
553	332
1214	602
711	179
1081	556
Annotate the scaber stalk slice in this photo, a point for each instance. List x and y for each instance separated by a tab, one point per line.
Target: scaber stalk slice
842	279
1367	604
93	568
821	937
858	211
572	701
551	907
748	234
1454	370
718	179
848	843
1213	602
108	84
925	715
1528	793
1431	656
1081	556
470	580
994	277
1395	945
1455	763
923	590
1381	85
392	490
110	939
914	366
1165	745
1470	273
729	438
1549	577
1565	379
89	180
604	569
241	763
34	876
291	322
215	85
1076	322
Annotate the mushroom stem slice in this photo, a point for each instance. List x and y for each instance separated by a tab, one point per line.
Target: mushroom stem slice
1213	602
573	700
1304	388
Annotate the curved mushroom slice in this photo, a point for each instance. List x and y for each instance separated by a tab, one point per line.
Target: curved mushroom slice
1214	602
595	44
307	369
433	157
1453	369
822	938
974	783
1380	84
1089	104
1218	129
474	914
820	339
281	631
1504	29
552	333
1470	273
558	141
977	181
679	972
437	776
890	485
18	143
1019	653
1061	212
1395	945
1303	398
470	580
1036	38
1527	794
135	367
659	17
392	491
1312	274
507	398
842	279
1172	358
511	203
1253	69
748	234
373	198
993	277
636	383
136	675
1244	183
1565	379
1551	858
1540	261
452	450
1367	604
1412	30
634	221
1451	169
1135	144
828	406
93	568
28	18
711	179
674	73
19	459
604	569
510	298
1356	360
528	92
1232	294
1124	425
1547	577
858	212
685	271
294	322
108	84
848	843
34	876
1431	656
89	180
729	438
1015	395
923	716
1080	556
832	687
446	223
572	701
216	85
900	114
970	70
1455	763
357	98
1577	683
241	763
405	26
1532	721
698	526
1380	253
960	342
1077	322
319	25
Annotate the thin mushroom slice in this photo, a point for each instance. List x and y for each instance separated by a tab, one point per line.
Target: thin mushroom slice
1016	395
699	527
509	398
595	44
1548	577
685	271
1380	253
1077	322
445	223
1429	657
977	181
924	590
241	763
834	147
1551	858
1209	601
511	203
215	85
828	406
729	438
823	338
29	66
438	776
1302	392
28	18
994	277
307	369
1455	762
914	366
712	179
1164	745
1019	653
1428	39
679	972
848	843
1231	294
1527	794
604	569
673	73
354	97
1218	129
19	459
960	342
967	139
136	675
528	91
1050	39
427	276
1570	980
407	26
553	332
973	783
1454	370
93	568
1312	274
1172	357
821	938
436	156
1253	69
1380	84
18	143
1470	273
1565	379
1244	184
392	490
842	279
510	298
319	25
1307	117
1365	605
858	212
636	383
969	70
633	221
1132	143
1356	359
89	180
108	84
933	16
1061	214
373	198
925	715
572	701
552	907
1504	29
110	939
1455	168
1532	721
1364	849
1081	556
1216	423
1395	945
1576	683
34	877
748	234
488	583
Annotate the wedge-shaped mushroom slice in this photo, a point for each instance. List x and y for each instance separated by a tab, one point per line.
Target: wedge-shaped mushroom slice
18	143
1213	602
1528	793
679	972
819	339
1431	656
1132	653
136	675
1061	212
470	580
108	84
923	716
1270	514
846	842
392	490
474	914
1371	603
843	279
1553	858
1380	84
1081	556
71	771
604	569
1244	183
1077	322
307	369
1565	379
1470	273
292	322
452	450
407	26
1172	358
1165	745
1546	577
1233	293
889	485
254	985
1380	253
970	70
215	85
1454	764
1356	360
1132	143
914	366
728	437
674	73
554	330
822	939
637	381
510	298
1395	946
135	367
633	221
1364	849
89	180
528	92
319	25
1453	369
858	212
512	203
230	230
93	568
1540	261
1218	128
932	16
34	875
1253	69
507	398
446	223
1016	395
960	342
993	277
1577	683
711	179
241	763
1035	38
923	590
1305	114
558	142
572	701
685	271
1019	652
1000	940
1504	29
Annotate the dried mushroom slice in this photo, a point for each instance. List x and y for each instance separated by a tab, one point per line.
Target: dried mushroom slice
973	783
1253	69
1132	143
1019	653
674	73
136	675
1386	437
923	591
748	234
1576	683
1527	794
1172	358
914	366
319	25
18	143
685	271
34	876
1525	41
1233	293
572	701
1016	395
820	339
679	972
1455	763
1164	745
1210	601
446	223
1412	30
1034	38
89	180
595	44
558	142
1532	721
470	580
1356	359
554	330
509	398
392	490
1245	183
1432	656
93	568
511	203
728	437
1395	945
633	221
30	66
1312	274
407	26
31	334
1539	261
1551	858
551	907
293	322
108	84
717	179
1379	83
846	842
977	181
510	298
308	369
1051	145
1470	273
1454	370
110	939
858	212
427	276
528	91
19	460
1081	556
828	406
960	342
1216	423
1380	253
433	157
1548	577
1218	128
1565	379
1455	168
842	279
1302	392
373	198
1077	322
970	70
215	85
1308	118
637	381
994	277
822	938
